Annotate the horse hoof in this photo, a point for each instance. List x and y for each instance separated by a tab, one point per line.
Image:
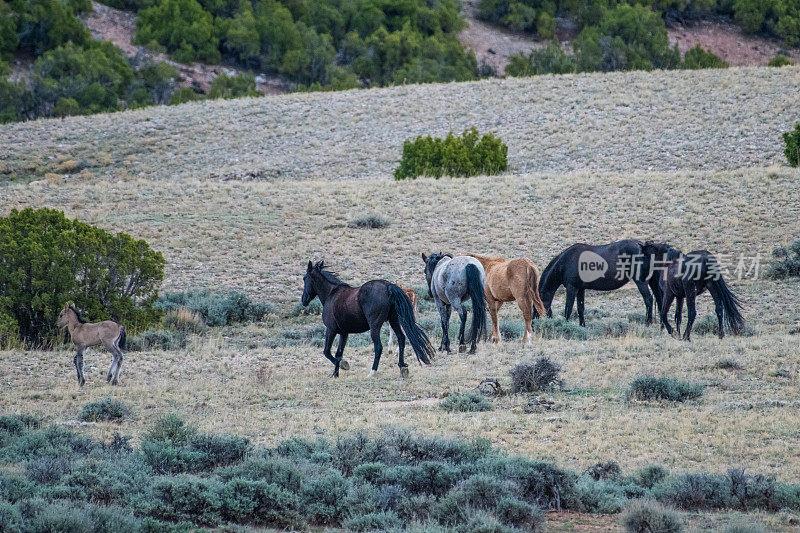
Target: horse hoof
404	371
462	348
372	373
344	365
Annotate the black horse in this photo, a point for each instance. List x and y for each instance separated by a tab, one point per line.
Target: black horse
347	309
685	276
605	267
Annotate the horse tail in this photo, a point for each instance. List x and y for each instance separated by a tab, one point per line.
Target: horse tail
532	289
416	337
122	337
731	304
476	293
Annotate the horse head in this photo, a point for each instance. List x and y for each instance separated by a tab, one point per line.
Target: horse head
430	266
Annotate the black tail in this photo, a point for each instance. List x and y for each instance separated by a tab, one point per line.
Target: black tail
419	341
475	289
731	304
122	337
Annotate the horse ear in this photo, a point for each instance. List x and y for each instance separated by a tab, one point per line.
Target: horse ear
321	264
310	266
424	259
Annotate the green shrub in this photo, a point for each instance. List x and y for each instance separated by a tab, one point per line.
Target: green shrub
226	87
158	339
105	410
651	388
43	25
650	476
465	403
49	260
644	516
373	221
697	58
377	521
314	308
258	502
786	261
743	526
548	60
183	27
603	497
461	156
71	79
530	377
183	95
170	429
792	141
216	309
780	60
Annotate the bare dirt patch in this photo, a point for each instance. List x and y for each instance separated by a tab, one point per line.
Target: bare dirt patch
729	42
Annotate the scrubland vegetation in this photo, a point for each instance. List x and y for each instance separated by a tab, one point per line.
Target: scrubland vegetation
237	215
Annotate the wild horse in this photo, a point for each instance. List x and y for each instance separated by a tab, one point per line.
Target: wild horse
84	335
451	281
605	267
347	310
685	276
508	281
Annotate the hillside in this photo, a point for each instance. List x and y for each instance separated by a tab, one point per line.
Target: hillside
241	194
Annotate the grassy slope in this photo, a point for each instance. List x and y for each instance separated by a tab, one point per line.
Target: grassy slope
594	158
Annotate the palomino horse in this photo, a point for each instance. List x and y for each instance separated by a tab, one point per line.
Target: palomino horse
605	267
347	310
507	281
451	281
685	276
83	335
412	297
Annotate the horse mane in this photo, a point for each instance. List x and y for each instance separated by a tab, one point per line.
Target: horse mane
544	279
77	314
330	276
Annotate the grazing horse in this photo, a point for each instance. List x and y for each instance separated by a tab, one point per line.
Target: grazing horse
412	297
83	335
507	281
451	281
605	267
685	276
347	310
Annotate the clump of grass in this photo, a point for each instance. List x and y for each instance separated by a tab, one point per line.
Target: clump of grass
530	377
742	526
728	364
184	319
647	516
105	410
373	221
615	328
158	339
651	388
786	262
466	402
559	328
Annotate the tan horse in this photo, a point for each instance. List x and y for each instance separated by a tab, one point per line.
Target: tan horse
83	335
507	281
412	295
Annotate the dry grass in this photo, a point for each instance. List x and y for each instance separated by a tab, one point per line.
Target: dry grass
710	140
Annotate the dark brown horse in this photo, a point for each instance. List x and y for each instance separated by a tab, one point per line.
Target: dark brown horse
347	310
605	267
684	277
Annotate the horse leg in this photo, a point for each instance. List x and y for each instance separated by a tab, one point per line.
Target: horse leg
691	313
113	364
527	317
344	365
326	351
375	333
116	369
668	297
462	314
444	315
678	312
494	308
572	291
394	323
644	290
78	360
581	295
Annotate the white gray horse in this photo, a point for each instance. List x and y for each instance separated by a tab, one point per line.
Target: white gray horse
451	281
